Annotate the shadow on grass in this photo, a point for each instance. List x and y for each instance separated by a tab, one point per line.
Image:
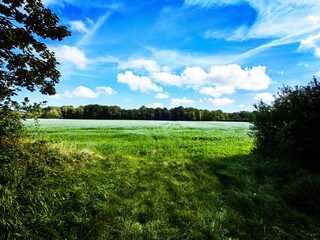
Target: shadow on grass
251	188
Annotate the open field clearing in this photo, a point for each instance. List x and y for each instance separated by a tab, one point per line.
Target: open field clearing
159	180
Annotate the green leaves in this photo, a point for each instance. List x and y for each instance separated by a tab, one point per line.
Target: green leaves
26	62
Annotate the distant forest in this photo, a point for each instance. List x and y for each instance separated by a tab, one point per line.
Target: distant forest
95	111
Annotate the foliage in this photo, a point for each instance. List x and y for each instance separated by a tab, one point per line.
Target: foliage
95	111
10	124
289	127
25	62
52	112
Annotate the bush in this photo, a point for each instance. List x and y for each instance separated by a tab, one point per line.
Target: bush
289	127
10	124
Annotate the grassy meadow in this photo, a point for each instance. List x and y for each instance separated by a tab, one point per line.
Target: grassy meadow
154	180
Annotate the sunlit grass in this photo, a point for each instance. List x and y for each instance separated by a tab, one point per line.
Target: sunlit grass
156	180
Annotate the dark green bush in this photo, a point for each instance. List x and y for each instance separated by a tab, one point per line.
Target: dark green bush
289	127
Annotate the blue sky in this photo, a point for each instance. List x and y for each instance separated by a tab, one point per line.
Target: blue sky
218	54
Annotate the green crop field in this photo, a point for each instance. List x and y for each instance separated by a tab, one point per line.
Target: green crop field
159	180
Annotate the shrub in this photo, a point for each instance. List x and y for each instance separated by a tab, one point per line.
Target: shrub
289	127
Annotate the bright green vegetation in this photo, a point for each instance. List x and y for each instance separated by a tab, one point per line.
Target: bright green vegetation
148	180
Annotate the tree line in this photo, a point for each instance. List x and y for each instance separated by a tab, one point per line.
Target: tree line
95	111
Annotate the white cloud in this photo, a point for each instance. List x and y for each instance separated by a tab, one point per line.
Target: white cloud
84	92
265	97
78	26
161	95
72	55
106	90
175	102
226	79
193	77
218	80
217	91
143	84
220	101
155	105
311	43
148	65
257	79
166	78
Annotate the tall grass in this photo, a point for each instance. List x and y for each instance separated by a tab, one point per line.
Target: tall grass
147	180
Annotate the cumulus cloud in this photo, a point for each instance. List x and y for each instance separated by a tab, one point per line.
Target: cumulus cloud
78	26
71	55
311	43
143	83
155	105
220	101
84	92
161	95
166	78
216	81
176	102
193	77
223	77
265	97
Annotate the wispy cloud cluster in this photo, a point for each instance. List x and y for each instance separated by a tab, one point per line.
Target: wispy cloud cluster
274	18
93	29
285	22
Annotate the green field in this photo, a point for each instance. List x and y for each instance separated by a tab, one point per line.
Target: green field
159	180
